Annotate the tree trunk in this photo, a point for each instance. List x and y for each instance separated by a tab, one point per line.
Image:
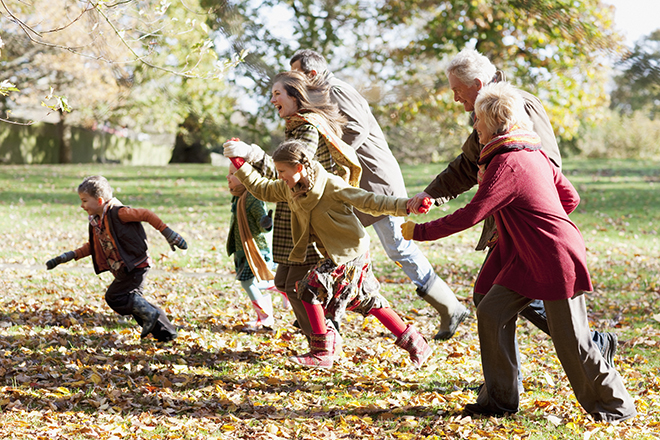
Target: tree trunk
185	152
188	147
64	132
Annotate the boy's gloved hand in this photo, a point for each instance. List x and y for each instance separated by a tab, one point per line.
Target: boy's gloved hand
408	229
266	221
174	239
67	256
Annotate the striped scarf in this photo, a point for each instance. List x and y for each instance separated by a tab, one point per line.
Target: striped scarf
258	265
513	140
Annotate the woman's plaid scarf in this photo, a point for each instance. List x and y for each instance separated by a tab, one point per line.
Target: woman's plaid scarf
513	140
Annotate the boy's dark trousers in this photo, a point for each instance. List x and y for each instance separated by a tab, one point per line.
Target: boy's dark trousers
121	292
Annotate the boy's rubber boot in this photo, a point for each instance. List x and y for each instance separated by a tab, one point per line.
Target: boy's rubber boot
321	353
415	344
264	309
164	330
440	296
147	313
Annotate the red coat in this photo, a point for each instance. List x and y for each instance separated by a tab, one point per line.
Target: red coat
540	252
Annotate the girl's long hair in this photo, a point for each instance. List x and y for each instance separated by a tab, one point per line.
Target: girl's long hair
292	152
312	95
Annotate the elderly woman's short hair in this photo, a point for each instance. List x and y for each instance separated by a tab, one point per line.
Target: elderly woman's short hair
500	106
469	65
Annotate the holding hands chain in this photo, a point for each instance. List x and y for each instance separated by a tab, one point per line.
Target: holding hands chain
420	204
408	227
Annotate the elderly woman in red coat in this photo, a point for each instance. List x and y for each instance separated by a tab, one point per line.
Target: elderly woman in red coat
540	254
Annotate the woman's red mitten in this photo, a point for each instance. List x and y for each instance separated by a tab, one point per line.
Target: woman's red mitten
426	205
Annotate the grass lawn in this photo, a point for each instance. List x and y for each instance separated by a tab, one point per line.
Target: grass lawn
72	369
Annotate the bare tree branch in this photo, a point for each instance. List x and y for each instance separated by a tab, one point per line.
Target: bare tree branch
30	32
9	121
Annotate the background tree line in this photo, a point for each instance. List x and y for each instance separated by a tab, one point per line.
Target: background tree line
201	69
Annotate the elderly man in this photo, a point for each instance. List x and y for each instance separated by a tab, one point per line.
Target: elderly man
381	174
468	73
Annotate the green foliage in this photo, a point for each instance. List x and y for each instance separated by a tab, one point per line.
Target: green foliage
35	57
554	49
148	65
398	49
638	85
195	102
622	136
61	103
269	32
6	87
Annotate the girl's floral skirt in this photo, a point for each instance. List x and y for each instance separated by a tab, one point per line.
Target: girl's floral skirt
351	286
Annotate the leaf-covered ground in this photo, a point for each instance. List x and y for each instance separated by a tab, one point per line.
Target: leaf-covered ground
72	369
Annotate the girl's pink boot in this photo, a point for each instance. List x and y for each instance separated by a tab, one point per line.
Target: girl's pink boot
322	350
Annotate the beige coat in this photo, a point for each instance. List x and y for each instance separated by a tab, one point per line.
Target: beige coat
380	170
325	212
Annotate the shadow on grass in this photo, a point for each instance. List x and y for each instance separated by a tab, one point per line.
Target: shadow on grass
82	360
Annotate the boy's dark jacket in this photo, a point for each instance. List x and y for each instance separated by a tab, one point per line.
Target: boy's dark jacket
130	239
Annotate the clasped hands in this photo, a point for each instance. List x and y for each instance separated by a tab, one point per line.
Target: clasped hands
419	204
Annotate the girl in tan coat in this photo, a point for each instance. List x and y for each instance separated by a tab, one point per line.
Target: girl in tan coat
322	212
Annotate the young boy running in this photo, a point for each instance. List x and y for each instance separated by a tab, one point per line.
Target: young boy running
118	243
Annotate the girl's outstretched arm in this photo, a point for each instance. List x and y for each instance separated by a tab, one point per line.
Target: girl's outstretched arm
261	187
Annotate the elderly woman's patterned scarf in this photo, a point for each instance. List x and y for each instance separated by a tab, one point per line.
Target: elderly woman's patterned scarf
513	140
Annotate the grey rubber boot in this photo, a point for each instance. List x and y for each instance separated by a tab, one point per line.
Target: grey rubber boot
147	313
438	294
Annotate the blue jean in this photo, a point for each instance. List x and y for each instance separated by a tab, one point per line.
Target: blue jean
403	252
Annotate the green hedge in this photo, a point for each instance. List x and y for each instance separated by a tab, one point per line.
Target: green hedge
39	144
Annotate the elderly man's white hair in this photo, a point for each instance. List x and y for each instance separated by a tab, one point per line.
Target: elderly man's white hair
469	65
